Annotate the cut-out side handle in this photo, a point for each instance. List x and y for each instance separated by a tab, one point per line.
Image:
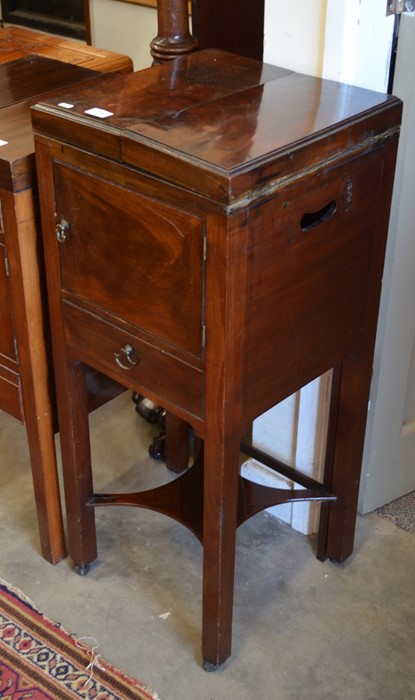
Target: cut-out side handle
313	219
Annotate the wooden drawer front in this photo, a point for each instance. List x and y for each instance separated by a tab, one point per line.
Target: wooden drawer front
6	324
97	341
138	259
322	236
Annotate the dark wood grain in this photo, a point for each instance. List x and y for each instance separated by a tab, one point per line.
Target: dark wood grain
231	25
35	75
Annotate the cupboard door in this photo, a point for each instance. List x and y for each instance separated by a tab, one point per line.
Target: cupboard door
135	258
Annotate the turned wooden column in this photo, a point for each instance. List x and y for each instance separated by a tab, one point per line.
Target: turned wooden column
173	38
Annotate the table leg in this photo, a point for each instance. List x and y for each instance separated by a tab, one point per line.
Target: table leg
221	478
347	423
77	472
177	443
20	219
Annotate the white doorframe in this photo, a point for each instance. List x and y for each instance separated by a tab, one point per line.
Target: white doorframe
389	458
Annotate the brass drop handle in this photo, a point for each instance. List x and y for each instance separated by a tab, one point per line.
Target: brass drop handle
126	354
61	230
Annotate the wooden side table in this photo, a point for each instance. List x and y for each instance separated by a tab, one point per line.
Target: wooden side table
28	70
214	232
17	42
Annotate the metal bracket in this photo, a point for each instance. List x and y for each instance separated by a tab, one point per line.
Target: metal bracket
397	7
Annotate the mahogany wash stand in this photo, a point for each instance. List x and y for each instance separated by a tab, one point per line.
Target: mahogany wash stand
214	232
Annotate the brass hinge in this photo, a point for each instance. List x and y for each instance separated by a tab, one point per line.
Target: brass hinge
16	351
6	265
203	335
204	248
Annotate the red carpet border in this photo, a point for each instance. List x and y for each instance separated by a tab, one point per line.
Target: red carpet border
41	661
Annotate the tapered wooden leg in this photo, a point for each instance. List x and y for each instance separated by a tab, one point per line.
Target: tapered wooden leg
177	443
225	317
350	394
221	477
76	461
41	441
20	218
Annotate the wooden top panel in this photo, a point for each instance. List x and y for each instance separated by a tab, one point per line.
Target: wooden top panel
33	76
17	42
22	83
227	118
33	64
167	90
231	131
16	147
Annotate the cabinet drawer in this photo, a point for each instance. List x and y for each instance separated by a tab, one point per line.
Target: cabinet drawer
134	257
147	368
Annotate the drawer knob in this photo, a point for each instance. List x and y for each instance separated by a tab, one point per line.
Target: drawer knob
61	230
125	358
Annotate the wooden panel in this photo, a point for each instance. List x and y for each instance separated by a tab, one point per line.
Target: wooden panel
323	235
138	258
36	75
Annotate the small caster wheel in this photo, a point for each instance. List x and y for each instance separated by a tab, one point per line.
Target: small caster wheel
81	570
149	410
157	449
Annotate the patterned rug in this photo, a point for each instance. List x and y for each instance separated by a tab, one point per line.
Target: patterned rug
40	661
401	512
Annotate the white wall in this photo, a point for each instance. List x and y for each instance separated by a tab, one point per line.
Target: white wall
358	41
345	40
124	28
294	34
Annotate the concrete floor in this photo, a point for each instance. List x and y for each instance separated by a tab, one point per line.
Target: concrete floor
303	630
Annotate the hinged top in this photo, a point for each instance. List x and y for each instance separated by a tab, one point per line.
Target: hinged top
240	126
